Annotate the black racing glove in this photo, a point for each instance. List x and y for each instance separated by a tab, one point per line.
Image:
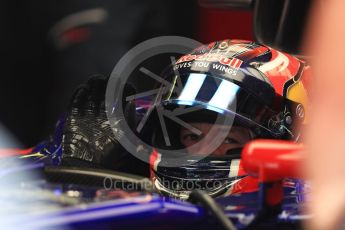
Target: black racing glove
88	140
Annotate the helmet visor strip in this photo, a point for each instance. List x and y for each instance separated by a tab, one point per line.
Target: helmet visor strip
215	94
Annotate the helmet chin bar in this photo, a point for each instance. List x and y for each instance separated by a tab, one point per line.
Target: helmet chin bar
184	194
215	175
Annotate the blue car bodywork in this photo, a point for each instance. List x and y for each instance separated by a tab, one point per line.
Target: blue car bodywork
31	201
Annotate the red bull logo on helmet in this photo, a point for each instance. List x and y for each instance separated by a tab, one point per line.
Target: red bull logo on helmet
212	57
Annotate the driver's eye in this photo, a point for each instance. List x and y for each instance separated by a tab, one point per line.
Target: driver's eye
229	140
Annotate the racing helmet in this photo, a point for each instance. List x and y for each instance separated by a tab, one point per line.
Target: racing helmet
215	90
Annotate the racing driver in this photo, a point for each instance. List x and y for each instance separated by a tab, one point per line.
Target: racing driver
221	96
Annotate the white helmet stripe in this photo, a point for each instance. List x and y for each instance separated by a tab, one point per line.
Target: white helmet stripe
279	60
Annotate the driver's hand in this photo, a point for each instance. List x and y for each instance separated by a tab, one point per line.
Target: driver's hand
88	139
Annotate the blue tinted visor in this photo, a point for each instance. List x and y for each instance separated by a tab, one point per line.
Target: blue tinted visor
216	94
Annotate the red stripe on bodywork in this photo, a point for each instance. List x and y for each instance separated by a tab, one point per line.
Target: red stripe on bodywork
14	152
